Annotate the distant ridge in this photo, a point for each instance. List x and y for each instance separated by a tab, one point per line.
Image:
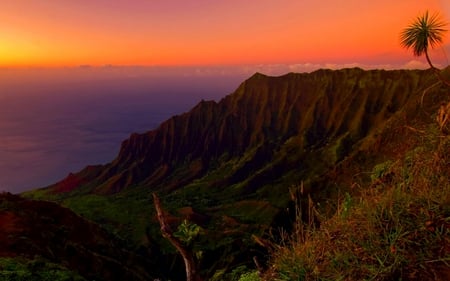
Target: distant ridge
235	166
264	115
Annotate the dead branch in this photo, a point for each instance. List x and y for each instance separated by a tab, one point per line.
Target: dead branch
443	115
185	252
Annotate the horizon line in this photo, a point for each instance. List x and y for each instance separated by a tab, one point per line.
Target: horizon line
235	68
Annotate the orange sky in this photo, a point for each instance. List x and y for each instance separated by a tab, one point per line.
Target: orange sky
206	32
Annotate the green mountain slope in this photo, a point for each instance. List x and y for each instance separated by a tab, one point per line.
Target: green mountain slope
44	241
228	166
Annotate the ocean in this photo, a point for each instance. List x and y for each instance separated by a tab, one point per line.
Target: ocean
54	122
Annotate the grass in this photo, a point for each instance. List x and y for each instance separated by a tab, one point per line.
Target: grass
397	228
127	215
20	269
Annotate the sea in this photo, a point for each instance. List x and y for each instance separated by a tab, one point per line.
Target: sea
57	121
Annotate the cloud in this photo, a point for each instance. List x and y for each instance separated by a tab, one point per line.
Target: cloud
280	69
415	64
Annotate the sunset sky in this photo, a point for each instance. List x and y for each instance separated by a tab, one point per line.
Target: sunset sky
205	32
59	59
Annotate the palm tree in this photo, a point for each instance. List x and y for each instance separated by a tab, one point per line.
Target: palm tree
427	31
424	32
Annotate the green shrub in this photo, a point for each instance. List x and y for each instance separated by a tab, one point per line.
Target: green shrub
250	276
18	269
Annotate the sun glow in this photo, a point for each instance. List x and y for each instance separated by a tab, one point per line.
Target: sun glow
181	33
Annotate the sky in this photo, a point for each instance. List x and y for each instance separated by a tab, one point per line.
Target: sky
78	76
52	124
308	33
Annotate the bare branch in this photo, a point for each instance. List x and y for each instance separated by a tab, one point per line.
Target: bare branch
187	255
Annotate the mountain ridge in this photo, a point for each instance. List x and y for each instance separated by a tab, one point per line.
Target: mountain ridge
229	166
262	110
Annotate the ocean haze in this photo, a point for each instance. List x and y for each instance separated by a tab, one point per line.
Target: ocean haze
53	122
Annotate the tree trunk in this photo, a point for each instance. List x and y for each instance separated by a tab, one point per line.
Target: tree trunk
187	255
436	70
429	61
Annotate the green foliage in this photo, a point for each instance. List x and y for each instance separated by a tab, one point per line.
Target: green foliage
346	205
218	275
380	170
16	269
6	205
125	215
187	232
263	192
237	273
240	273
424	32
250	276
340	148
397	232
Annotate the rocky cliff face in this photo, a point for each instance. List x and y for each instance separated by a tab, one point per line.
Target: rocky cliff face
266	118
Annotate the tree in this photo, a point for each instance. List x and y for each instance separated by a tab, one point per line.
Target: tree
180	240
424	32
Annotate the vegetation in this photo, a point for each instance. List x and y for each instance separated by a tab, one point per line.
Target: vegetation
240	273
397	228
227	168
428	31
181	240
425	32
248	193
17	269
250	276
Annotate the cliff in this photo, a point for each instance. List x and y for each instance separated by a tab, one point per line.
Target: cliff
230	166
266	118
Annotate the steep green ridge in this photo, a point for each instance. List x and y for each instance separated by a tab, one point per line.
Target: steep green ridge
228	166
264	115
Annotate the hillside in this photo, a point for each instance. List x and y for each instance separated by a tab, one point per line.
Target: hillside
394	227
264	115
35	236
228	166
